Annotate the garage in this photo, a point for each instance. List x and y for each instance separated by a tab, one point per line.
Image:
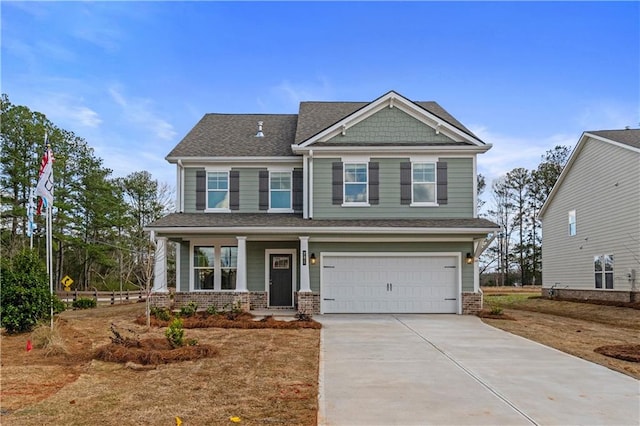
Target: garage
390	282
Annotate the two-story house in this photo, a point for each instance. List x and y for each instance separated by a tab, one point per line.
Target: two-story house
345	207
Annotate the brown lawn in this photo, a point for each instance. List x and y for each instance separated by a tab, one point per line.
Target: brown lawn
576	328
262	376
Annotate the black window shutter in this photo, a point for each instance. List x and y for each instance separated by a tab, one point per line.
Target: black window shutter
201	189
442	182
374	178
297	189
263	188
337	177
234	190
405	183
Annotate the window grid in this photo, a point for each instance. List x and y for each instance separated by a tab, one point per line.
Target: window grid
423	182
218	190
356	178
280	190
211	261
203	267
603	271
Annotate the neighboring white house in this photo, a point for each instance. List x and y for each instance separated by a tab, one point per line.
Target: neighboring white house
591	220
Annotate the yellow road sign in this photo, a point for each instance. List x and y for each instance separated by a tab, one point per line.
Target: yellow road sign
67	281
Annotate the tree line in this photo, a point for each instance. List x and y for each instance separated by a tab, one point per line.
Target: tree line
515	256
98	220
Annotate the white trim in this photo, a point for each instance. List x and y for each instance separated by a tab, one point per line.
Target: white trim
305	186
392	99
237	161
310	184
433	203
344	185
475	187
445	151
215	169
294	273
285	209
572	158
320	230
217	243
457	255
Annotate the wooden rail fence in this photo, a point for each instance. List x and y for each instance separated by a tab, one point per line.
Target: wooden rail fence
104	297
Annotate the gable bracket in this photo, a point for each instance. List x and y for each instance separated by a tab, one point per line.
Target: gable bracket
391	102
438	128
344	129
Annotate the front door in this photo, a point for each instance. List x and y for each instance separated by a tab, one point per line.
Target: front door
280	276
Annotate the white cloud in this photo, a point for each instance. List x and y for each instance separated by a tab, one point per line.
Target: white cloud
65	109
510	151
607	115
139	111
294	93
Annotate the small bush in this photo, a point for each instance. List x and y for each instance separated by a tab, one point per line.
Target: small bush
58	305
301	316
175	333
189	310
496	310
162	314
84	303
212	310
49	340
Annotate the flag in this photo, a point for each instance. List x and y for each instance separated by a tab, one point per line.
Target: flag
31	207
45	182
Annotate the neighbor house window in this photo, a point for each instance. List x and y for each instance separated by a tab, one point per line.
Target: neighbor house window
603	269
355	183
423	183
280	190
228	267
218	190
215	267
572	222
203	267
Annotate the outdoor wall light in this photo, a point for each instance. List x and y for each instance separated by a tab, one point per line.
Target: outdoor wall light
468	259
312	259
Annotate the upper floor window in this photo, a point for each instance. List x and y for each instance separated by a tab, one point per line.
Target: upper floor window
423	183
572	222
603	269
355	183
280	190
218	190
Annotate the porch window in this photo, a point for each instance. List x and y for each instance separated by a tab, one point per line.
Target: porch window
280	190
355	183
228	267
203	267
423	183
603	269
218	190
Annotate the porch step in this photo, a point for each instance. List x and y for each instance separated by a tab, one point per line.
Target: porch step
279	314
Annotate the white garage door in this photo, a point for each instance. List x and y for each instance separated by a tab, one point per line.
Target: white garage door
407	283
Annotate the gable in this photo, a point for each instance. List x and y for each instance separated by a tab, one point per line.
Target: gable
389	126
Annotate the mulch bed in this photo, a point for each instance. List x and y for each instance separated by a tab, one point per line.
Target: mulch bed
502	316
242	320
152	351
624	352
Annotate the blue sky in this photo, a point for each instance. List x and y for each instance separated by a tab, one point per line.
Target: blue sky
132	78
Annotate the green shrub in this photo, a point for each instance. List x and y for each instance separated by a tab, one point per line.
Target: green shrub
212	310
58	305
84	303
496	310
25	297
162	314
175	333
189	309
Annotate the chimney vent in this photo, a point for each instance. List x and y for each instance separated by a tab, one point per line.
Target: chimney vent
259	134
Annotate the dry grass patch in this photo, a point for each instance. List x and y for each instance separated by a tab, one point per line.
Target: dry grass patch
263	376
575	328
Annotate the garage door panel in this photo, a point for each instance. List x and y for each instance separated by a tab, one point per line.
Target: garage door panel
390	284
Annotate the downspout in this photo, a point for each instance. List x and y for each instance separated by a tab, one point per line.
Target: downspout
305	184
310	184
179	188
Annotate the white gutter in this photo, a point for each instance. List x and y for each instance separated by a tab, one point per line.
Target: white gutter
180	187
310	184
406	150
317	230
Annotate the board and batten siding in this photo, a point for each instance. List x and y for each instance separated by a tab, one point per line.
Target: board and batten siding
603	187
390	125
368	247
185	266
460	192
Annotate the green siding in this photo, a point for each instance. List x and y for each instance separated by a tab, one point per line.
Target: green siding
255	261
249	190
463	247
185	266
390	125
460	190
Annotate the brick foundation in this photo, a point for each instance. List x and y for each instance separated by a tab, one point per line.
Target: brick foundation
221	300
623	296
471	303
161	300
308	303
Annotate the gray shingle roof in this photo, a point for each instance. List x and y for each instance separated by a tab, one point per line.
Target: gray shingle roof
314	117
269	221
234	135
629	137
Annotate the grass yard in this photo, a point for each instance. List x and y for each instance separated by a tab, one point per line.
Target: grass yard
572	327
263	376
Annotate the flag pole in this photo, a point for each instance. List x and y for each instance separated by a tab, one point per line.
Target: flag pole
50	257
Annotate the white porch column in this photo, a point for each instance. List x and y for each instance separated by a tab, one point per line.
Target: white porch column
241	272
305	284
160	267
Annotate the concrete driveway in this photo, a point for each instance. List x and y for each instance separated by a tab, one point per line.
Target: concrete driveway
456	370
